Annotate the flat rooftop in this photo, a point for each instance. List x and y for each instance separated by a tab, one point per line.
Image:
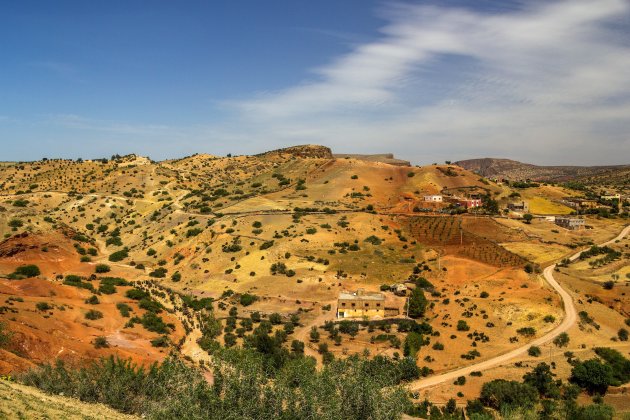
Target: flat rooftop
361	296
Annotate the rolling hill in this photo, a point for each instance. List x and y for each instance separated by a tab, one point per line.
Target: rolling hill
514	170
202	255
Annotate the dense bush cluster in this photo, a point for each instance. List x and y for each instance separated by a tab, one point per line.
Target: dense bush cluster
24	272
242	389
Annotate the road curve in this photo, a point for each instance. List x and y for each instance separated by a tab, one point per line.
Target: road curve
501	359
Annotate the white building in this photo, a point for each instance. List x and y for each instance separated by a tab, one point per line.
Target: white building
433	198
571	223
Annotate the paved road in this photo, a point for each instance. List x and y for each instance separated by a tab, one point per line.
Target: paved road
502	359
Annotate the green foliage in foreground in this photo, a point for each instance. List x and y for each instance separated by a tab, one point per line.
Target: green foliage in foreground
242	389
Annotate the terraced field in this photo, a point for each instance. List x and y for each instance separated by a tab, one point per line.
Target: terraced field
455	236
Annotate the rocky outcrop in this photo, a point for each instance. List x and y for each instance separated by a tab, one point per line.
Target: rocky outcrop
303	151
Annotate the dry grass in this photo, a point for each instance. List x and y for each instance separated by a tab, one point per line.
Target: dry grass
23	402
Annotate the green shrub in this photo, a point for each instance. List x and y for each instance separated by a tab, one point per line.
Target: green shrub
150	305
161	341
76	281
102	268
25	271
562	340
462	325
15	223
193	232
374	240
20	203
124	309
100	342
346	389
5	336
136	294
534	351
92	300
417	303
619	364
413	343
198	304
107	288
43	306
152	322
592	375
93	315
501	393
119	255
527	331
266	245
247	299
159	273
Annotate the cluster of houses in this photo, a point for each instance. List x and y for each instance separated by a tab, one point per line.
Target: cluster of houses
467	203
605	201
568	222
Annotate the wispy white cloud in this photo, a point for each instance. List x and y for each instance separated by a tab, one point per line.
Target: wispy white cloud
59	68
82	123
547	82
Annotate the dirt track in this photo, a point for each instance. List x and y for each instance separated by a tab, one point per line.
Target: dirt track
567	323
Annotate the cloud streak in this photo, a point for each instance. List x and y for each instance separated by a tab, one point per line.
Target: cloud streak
547	82
544	82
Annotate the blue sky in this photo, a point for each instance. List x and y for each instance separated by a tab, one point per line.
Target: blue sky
545	82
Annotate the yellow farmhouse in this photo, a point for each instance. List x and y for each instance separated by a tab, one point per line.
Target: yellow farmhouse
360	304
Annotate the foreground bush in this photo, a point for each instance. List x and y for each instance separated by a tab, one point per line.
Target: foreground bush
242	389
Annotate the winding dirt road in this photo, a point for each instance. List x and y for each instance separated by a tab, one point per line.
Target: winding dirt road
565	325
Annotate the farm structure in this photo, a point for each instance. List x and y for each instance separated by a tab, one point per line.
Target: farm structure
469	203
361	304
399	289
522	206
433	198
578	203
571	223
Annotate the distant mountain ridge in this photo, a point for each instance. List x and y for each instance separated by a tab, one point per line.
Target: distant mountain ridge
512	169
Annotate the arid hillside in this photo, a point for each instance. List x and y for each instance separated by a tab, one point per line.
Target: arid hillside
139	259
